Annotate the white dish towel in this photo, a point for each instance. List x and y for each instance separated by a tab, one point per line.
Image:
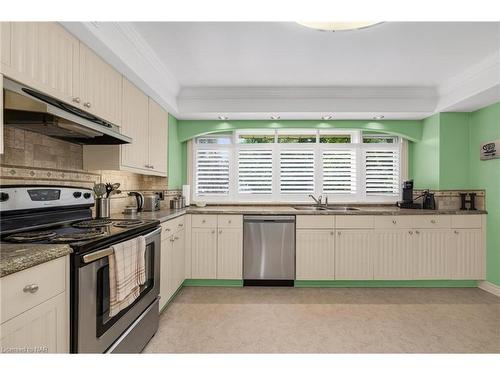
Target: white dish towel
127	272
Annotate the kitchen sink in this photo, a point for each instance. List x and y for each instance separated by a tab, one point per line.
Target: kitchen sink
325	208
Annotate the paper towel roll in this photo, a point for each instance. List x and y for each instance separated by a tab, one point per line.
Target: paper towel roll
186	193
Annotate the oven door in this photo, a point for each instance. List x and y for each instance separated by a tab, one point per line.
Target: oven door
96	330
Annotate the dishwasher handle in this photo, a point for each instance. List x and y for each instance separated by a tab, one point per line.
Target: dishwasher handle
268	218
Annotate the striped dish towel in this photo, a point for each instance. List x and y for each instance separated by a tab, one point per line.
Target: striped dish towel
127	272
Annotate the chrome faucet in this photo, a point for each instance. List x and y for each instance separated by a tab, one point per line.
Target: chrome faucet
318	200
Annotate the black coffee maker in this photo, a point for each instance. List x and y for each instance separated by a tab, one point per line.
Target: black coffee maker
407	201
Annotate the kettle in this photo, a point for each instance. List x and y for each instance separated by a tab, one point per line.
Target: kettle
429	202
139	198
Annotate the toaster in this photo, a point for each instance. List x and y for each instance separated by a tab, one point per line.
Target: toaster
151	202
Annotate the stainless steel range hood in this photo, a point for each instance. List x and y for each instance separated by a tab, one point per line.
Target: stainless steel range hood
28	109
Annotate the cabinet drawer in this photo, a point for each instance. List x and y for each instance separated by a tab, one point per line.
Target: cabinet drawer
50	277
204	221
431	221
315	221
230	221
466	221
172	226
354	222
395	222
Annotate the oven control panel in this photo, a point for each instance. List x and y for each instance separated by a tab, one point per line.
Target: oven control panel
14	198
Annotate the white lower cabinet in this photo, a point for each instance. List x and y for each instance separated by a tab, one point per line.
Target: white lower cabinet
433	259
393	254
204	253
354	254
468	254
171	262
230	253
35	309
315	257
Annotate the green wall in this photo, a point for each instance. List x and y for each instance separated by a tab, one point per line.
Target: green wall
425	155
484	125
175	168
410	129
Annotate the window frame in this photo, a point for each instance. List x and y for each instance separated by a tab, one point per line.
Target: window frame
360	196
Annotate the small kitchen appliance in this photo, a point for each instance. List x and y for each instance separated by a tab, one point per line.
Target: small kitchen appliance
407	199
429	202
139	199
62	214
151	202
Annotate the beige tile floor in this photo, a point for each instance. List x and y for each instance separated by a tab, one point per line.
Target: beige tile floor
329	320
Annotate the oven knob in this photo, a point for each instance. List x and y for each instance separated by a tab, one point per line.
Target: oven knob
87	195
4	197
77	194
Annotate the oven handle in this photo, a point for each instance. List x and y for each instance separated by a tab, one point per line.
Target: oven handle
96	255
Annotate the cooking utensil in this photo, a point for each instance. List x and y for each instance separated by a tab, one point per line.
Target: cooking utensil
113	192
109	189
99	190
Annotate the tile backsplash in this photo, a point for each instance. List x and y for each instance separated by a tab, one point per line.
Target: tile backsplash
31	158
450	199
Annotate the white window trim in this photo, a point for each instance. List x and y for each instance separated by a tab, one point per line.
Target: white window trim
356	143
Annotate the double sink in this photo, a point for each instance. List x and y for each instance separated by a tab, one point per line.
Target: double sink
325	208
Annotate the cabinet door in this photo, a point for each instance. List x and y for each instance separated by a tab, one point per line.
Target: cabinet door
179	260
4	45
1	114
354	254
468	254
393	255
45	57
42	329
166	268
158	137
230	253
314	254
204	253
135	125
432	254
100	87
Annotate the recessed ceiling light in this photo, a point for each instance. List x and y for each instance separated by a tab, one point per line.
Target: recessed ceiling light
337	26
379	117
275	117
327	117
223	117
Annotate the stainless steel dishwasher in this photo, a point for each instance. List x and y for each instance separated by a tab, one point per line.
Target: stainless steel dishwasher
268	250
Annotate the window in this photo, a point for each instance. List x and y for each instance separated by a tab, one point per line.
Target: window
286	165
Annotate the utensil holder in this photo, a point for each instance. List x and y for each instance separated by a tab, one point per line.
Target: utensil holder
102	208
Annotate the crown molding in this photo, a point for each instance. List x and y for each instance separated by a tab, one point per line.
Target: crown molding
119	44
476	87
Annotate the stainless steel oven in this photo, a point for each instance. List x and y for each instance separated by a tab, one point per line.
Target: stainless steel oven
93	330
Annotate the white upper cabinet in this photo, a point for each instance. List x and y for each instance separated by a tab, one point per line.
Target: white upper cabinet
100	87
4	45
42	55
158	137
135	124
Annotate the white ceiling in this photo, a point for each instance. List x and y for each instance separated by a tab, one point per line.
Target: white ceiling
255	69
288	54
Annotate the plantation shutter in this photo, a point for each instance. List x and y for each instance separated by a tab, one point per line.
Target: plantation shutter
297	171
339	171
212	172
255	171
382	172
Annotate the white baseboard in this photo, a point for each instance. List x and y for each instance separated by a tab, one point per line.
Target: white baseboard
490	287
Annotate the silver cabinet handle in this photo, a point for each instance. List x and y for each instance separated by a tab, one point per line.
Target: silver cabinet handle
229	221
172	239
456	232
203	221
176	238
410	232
417	232
76	100
181	225
394	221
213	231
331	233
31	288
87	104
433	221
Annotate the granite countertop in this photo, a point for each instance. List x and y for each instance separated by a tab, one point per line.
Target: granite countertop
168	214
18	257
289	210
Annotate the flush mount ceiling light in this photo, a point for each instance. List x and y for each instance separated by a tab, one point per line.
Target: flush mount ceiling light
337	26
379	117
327	117
275	117
223	118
